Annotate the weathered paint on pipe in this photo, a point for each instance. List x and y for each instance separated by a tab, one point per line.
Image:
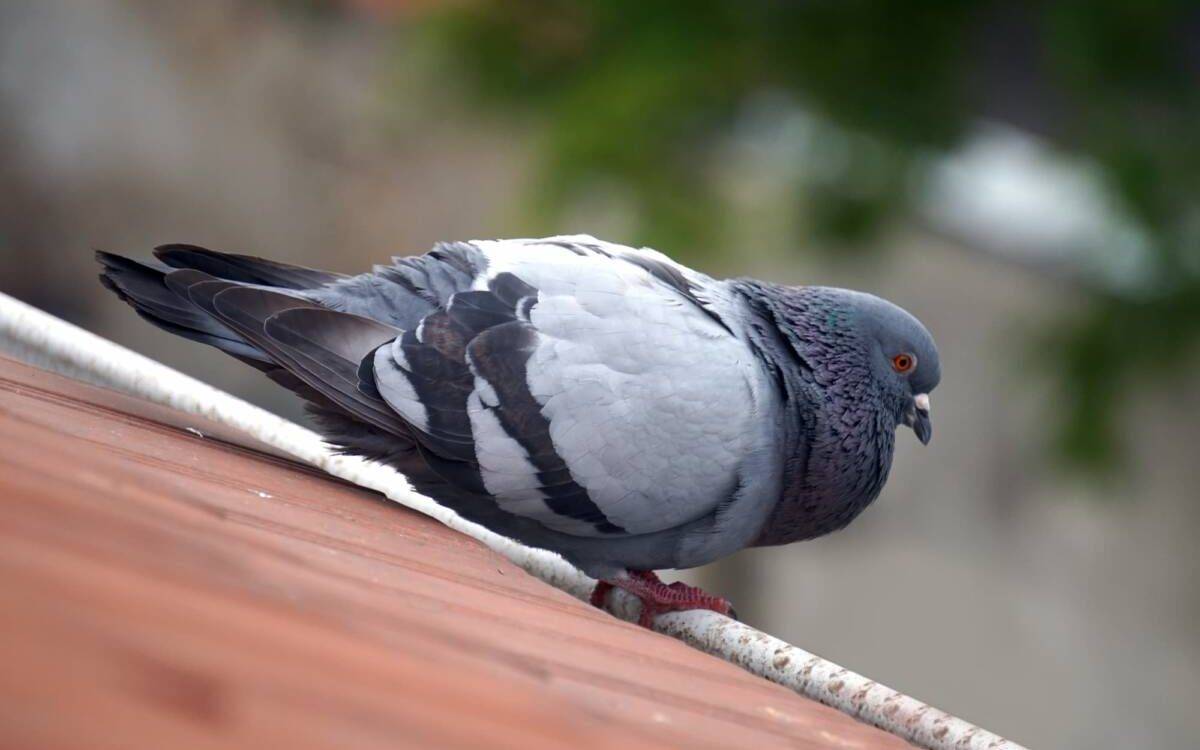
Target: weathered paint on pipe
58	345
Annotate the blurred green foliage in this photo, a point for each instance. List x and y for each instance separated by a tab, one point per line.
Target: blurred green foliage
638	95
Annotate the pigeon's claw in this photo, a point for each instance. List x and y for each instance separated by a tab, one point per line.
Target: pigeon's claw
658	597
600	594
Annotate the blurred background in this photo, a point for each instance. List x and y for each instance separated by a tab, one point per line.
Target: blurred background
1025	178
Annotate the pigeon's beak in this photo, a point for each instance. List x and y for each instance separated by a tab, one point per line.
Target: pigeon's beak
920	418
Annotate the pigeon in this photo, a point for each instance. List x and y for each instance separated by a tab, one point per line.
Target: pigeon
599	401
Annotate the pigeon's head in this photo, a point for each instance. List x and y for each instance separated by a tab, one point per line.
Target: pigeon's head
903	357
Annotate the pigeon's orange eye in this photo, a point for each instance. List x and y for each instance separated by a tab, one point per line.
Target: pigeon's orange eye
903	363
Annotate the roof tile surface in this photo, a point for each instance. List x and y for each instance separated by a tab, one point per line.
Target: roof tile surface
167	590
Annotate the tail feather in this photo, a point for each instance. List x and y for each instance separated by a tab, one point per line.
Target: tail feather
147	288
258	312
245	268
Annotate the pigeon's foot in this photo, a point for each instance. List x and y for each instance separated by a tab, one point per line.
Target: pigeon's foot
657	597
600	594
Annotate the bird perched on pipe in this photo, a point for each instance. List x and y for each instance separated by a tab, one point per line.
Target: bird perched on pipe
596	400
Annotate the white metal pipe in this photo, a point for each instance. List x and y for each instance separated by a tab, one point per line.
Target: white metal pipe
58	345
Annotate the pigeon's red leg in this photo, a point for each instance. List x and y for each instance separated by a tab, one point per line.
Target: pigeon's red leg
657	597
600	593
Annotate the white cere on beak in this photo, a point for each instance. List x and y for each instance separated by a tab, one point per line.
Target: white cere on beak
922	402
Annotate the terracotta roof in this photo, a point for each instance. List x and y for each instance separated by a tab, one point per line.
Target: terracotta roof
163	589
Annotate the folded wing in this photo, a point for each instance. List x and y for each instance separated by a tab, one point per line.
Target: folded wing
591	387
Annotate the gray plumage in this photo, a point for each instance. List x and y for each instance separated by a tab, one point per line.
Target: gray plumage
592	399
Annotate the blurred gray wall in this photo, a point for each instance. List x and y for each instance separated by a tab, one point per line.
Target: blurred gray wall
1058	612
